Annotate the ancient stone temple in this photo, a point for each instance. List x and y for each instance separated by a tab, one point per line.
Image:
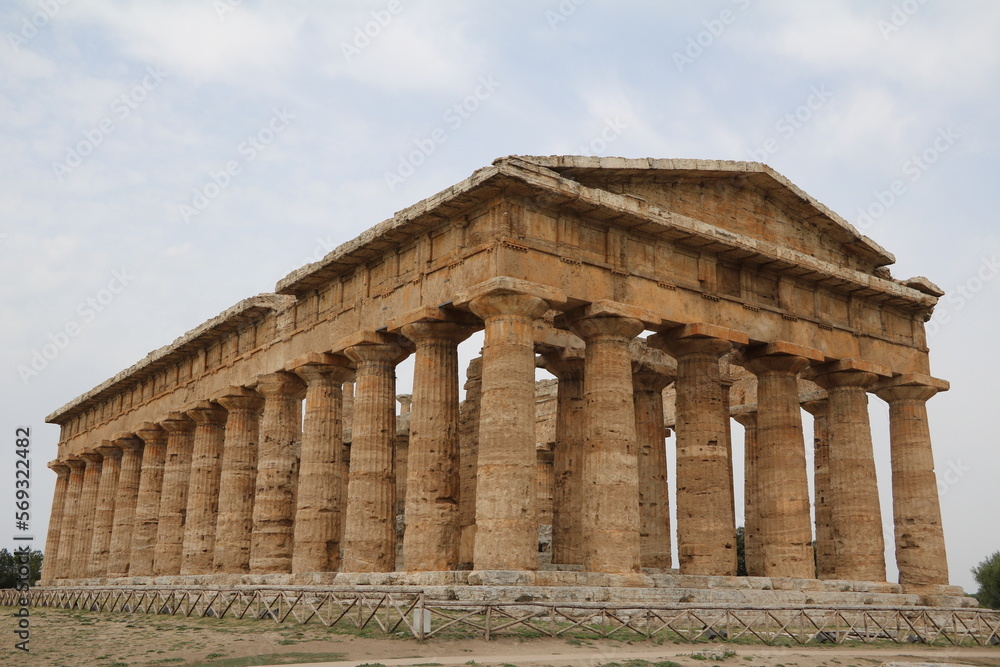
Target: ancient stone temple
661	294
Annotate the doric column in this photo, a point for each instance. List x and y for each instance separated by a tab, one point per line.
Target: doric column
147	505
277	473
238	480
126	496
819	409
706	520
104	512
855	511
782	481
920	550
198	549
752	557
468	461
567	456
321	485
370	531
50	566
431	540
651	447
173	498
506	525
71	512
88	507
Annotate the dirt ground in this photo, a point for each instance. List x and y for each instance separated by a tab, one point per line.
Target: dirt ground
73	638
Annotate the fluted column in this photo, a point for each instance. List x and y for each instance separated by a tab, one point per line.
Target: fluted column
706	521
147	506
469	461
50	566
506	525
782	481
819	409
71	513
431	540
198	549
88	507
126	497
855	511
238	481
104	513
920	550
752	557
567	456
654	492
277	473
370	531
321	484
173	498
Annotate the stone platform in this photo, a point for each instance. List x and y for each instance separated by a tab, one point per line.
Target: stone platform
648	588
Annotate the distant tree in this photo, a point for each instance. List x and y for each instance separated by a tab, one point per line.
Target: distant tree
9	567
987	574
741	552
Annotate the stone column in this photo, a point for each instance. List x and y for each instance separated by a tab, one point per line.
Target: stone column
706	520
126	496
277	473
50	566
431	540
88	507
147	506
198	549
321	485
651	446
567	456
920	550
104	512
752	557
781	496
238	481
469	461
855	511
370	531
819	409
71	512
506	525
169	548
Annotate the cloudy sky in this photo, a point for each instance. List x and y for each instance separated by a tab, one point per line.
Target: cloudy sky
163	160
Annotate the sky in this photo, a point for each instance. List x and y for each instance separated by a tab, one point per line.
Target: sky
164	160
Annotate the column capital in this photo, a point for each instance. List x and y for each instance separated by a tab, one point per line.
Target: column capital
612	327
388	352
526	306
847	373
241	399
59	468
128	442
280	384
817	407
648	379
75	462
109	449
505	286
689	346
780	357
177	421
563	362
207	412
322	367
915	386
746	418
702	330
91	456
435	331
151	433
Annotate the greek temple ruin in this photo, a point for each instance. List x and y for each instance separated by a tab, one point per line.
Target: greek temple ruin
664	296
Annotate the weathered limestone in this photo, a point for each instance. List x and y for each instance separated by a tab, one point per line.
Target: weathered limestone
126	495
781	493
567	456
238	480
66	552
706	530
277	472
198	550
147	505
752	555
469	461
173	497
855	511
321	485
654	493
432	537
370	532
920	552
819	409
104	512
50	566
88	508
